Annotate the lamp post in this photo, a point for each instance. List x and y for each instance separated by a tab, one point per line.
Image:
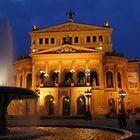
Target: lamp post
87	73
122	95
56	78
88	95
72	72
43	75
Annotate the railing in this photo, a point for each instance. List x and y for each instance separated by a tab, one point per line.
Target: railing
65	85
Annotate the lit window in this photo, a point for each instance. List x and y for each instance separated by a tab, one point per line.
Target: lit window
40	40
88	39
75	39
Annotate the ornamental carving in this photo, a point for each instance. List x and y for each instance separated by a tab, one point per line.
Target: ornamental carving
66	49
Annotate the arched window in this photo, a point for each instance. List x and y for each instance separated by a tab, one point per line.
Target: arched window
29	81
49	104
111	106
94	79
109	79
68	78
81	78
41	78
119	80
20	80
81	105
54	74
66	106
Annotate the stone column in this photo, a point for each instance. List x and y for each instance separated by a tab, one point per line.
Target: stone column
33	77
60	74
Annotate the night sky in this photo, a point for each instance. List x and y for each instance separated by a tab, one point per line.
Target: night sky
123	17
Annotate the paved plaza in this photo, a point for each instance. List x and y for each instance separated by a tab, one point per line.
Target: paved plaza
113	123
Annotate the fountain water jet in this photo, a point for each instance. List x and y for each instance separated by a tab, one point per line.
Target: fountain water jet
7	92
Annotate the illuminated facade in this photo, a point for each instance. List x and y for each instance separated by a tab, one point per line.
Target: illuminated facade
68	59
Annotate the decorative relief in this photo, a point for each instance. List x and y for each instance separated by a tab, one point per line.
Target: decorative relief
66	49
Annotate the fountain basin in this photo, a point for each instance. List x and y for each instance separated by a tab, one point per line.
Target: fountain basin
16	92
7	94
59	133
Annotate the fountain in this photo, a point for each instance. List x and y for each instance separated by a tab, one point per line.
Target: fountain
7	91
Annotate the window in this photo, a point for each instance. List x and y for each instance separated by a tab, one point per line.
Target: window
88	39
75	39
100	38
29	81
119	80
64	39
109	79
67	40
94	39
70	38
52	40
40	40
46	40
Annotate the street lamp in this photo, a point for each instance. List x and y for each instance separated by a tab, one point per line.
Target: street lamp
72	71
122	95
56	77
87	73
88	95
43	75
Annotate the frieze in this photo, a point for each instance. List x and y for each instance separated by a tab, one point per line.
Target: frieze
66	49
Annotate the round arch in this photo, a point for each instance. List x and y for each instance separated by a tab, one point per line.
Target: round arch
66	106
49	104
54	76
109	79
81	105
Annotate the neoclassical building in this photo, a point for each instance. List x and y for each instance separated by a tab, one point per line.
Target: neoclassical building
72	58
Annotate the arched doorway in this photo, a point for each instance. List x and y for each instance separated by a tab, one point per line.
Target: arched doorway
81	105
49	104
66	106
111	105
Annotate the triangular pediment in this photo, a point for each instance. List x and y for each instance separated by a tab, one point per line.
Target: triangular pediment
71	26
66	48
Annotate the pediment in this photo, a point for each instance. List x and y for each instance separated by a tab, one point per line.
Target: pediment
71	26
66	48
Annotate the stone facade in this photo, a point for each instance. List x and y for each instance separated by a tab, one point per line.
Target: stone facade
68	59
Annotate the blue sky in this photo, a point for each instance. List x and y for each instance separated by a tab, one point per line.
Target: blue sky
123	16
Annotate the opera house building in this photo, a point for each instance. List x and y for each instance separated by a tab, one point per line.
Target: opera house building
73	68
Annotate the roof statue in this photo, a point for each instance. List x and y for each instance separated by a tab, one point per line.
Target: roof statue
106	24
70	15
